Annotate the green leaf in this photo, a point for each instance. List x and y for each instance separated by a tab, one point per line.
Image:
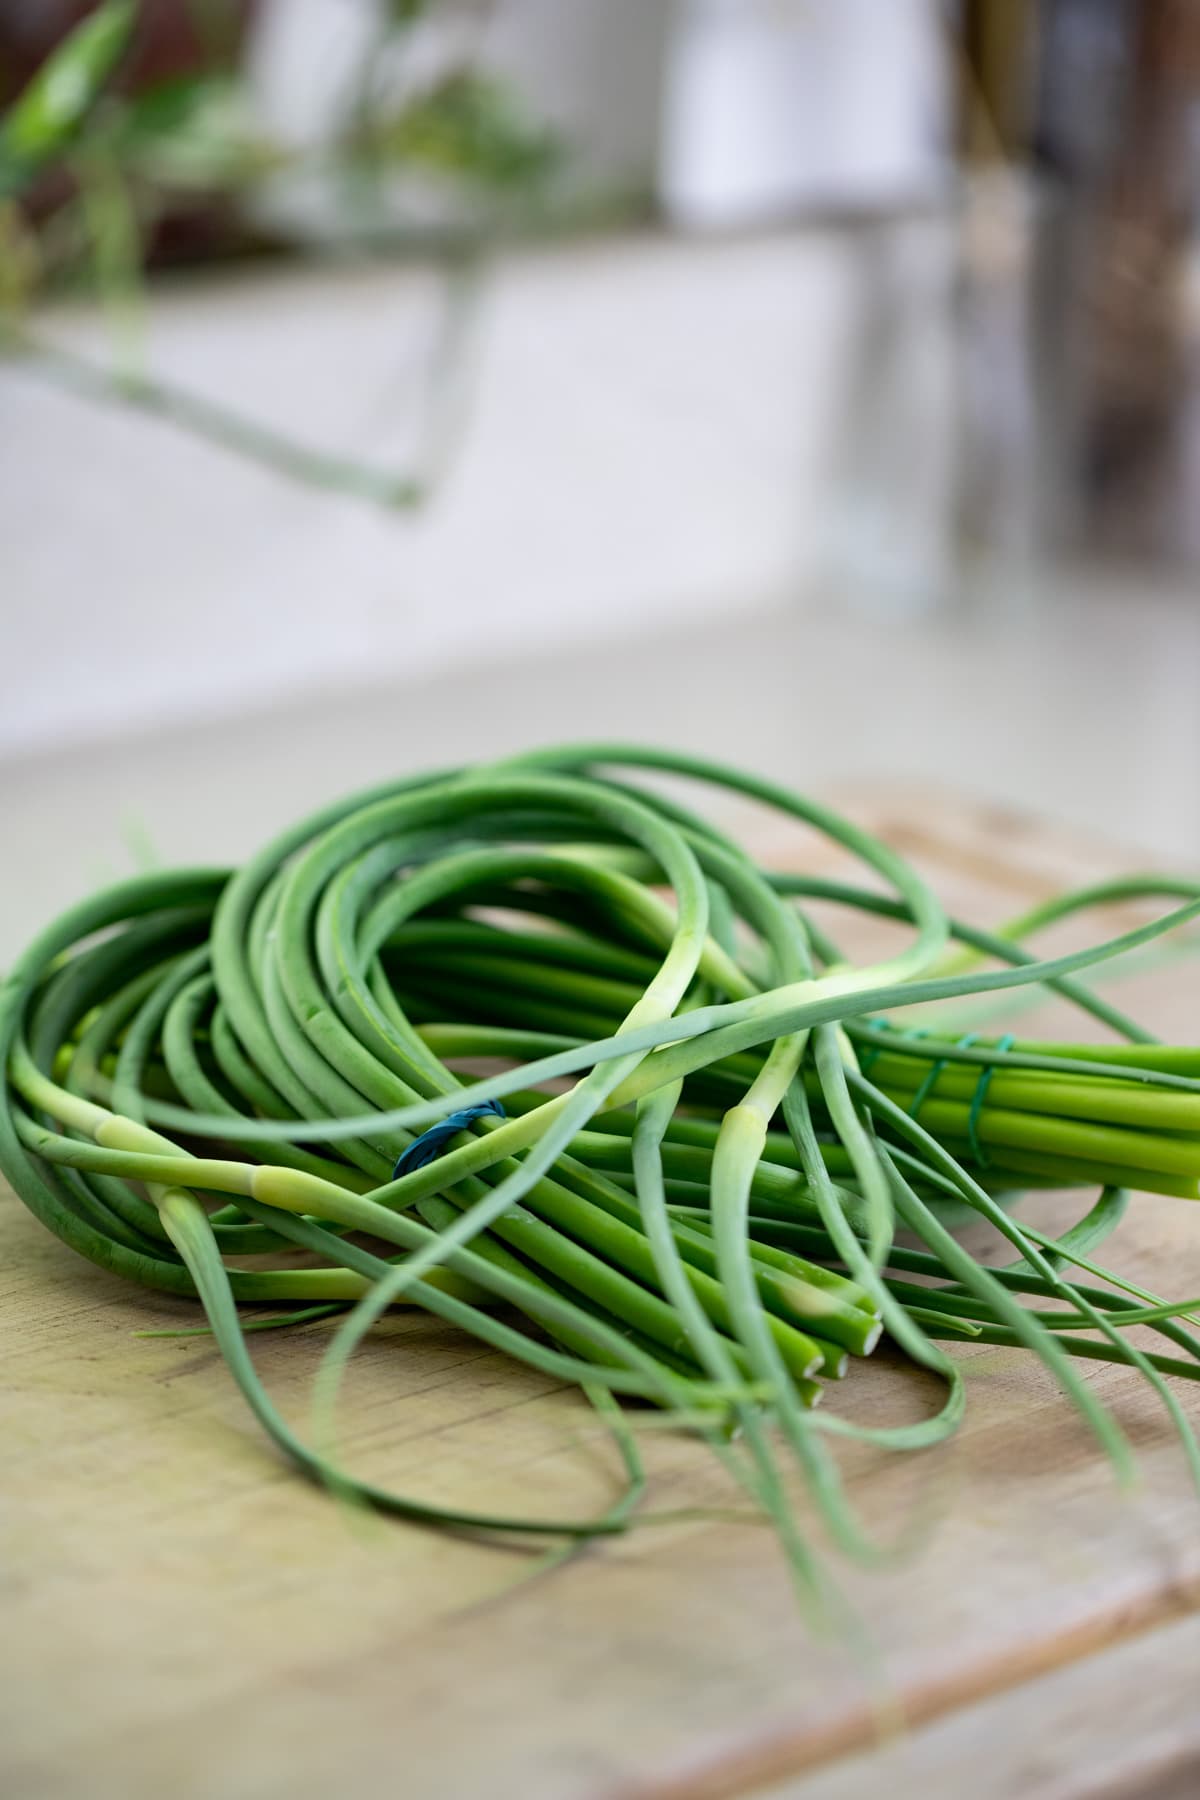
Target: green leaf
471	128
60	95
192	133
168	105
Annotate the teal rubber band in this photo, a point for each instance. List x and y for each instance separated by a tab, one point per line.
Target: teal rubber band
867	1062
980	1095
926	1088
431	1143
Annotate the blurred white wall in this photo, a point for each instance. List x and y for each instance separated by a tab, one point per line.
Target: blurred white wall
645	434
772	106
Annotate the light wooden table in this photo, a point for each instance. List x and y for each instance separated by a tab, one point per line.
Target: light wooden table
183	1617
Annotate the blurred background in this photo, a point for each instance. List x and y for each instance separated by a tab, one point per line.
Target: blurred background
386	383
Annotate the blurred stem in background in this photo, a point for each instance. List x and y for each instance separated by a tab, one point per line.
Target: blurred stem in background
114	239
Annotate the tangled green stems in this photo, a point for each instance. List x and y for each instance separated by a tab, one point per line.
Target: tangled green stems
714	1126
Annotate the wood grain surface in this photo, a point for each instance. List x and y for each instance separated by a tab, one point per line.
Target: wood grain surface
184	1617
1119	1725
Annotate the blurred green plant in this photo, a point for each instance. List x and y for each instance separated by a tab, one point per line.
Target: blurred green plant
93	167
469	128
48	115
192	138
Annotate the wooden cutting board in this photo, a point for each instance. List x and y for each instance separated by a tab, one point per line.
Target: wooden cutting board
184	1616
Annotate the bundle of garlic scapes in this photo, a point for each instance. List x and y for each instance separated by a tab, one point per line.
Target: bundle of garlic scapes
708	1162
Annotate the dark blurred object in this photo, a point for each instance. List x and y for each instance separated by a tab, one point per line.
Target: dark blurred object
172	38
1115	133
179	47
1099	101
996	48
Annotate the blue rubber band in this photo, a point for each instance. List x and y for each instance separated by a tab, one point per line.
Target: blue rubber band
980	1095
431	1143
